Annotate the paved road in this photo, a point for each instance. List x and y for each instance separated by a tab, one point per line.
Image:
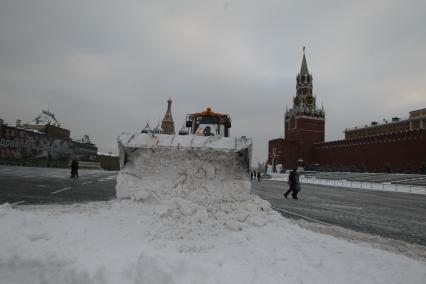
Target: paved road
48	185
400	216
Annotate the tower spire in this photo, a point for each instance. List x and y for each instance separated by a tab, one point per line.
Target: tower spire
304	67
169	105
168	124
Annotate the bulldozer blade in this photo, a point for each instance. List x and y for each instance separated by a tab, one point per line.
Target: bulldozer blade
164	165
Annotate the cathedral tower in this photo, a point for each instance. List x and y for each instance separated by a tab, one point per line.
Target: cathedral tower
168	124
304	122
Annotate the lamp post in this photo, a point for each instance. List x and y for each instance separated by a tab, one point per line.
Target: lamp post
274	155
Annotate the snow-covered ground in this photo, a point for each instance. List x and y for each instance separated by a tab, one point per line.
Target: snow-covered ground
147	242
356	184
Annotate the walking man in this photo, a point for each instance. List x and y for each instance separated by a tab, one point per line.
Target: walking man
293	181
74	168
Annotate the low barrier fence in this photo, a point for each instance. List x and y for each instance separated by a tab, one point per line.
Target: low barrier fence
359	184
367	185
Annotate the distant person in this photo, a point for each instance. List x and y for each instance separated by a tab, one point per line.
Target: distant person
74	168
251	176
293	181
258	176
208	131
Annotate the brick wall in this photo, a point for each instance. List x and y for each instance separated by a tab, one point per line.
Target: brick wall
403	151
287	152
307	130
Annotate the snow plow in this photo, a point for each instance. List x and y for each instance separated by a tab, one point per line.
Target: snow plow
159	166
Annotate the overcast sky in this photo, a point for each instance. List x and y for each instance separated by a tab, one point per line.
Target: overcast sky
109	66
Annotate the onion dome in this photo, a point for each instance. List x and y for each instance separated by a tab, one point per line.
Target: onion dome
158	129
147	128
183	130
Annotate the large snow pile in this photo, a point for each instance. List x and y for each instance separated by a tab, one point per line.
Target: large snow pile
203	190
119	242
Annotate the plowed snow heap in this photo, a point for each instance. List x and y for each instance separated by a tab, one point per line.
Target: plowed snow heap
161	166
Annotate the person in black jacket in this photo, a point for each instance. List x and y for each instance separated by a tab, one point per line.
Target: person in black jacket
74	168
293	181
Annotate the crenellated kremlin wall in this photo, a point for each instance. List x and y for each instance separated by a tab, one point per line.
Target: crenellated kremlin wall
403	151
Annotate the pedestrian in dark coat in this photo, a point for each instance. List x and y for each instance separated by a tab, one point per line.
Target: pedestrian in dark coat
293	181
74	168
258	176
251	175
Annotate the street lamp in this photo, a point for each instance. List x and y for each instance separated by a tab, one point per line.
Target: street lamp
274	155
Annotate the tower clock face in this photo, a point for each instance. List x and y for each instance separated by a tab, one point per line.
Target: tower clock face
309	100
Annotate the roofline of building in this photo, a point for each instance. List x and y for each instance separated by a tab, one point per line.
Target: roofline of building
422	109
22	128
381	124
377	125
359	139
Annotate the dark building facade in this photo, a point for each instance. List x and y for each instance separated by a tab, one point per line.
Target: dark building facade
415	121
108	161
42	145
395	146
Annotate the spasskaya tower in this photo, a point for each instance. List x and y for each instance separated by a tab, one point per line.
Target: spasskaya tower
304	125
304	122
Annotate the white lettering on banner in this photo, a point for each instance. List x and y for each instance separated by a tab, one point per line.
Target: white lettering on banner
20	143
29	143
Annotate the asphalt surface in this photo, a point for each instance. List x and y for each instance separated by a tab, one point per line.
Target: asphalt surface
25	185
400	216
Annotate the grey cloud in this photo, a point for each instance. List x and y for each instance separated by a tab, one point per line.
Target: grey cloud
108	66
